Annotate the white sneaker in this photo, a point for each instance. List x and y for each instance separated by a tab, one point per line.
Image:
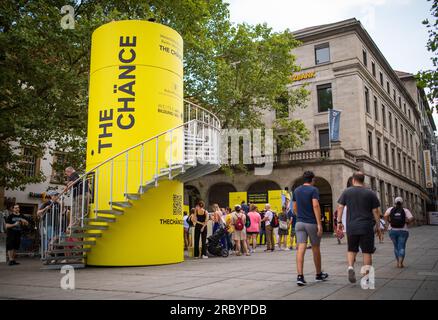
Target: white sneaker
253	250
204	257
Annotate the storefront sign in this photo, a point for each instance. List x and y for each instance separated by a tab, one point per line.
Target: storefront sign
301	76
428	169
433	217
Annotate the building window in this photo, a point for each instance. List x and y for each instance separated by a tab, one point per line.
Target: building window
410	168
324	139
60	162
394	96
367	100
396	128
324	97
399	161
322	53
365	58
379	150
404	106
381	79
370	143
411	144
393	157
402	135
387	87
390	121
376	111
386	153
373	68
30	162
383	116
413	170
409	114
373	183
406	136
404	165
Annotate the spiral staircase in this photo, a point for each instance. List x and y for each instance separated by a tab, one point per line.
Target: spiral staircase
67	243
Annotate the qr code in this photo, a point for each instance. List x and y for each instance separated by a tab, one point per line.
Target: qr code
177	204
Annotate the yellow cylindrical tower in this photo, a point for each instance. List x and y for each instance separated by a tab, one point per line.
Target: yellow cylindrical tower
136	92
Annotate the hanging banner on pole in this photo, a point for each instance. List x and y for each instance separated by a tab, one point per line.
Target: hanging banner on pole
334	124
428	169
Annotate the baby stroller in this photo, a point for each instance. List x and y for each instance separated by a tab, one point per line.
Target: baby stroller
214	246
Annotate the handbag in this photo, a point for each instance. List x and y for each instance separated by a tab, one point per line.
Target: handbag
283	225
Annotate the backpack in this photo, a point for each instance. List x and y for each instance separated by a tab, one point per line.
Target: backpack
397	217
247	221
274	220
238	225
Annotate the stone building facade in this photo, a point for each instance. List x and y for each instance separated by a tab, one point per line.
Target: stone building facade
379	130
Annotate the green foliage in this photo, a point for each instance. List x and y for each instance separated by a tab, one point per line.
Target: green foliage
429	78
237	71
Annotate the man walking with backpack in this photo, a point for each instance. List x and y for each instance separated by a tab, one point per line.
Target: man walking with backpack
306	205
363	220
399	218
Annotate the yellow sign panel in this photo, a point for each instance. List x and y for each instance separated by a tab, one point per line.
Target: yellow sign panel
236	198
302	76
136	93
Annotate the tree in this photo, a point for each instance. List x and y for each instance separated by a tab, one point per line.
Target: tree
237	71
429	78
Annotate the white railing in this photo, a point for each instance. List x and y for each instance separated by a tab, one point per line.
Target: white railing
108	186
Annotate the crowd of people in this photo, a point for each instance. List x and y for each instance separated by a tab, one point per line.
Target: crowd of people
300	220
246	227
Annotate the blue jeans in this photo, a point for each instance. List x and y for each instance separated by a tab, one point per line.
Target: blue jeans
399	238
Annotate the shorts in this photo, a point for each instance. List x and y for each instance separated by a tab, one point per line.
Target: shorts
239	235
364	241
13	241
282	232
304	230
252	233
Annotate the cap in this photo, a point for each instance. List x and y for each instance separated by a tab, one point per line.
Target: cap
52	193
237	207
398	200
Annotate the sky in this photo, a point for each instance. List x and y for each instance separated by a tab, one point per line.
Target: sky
394	25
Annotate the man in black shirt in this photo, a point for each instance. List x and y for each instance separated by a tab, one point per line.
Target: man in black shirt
363	220
14	226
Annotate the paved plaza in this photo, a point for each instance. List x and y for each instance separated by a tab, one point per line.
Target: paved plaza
260	276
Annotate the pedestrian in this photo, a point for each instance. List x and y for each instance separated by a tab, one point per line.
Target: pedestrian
15	223
306	205
244	207
216	217
268	228
239	234
262	234
253	230
292	221
398	218
3	230
200	220
363	220
80	193
186	230
283	228
50	215
230	230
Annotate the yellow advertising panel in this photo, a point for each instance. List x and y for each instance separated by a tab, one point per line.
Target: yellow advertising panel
236	198
136	93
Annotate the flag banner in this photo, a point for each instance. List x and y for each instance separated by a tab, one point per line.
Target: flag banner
334	124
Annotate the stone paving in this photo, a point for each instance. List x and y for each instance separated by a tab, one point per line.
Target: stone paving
261	276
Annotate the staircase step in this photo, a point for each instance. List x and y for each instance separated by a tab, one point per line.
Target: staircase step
133	196
69	258
75	243
89	227
69	250
58	266
100	219
86	235
114	211
123	204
